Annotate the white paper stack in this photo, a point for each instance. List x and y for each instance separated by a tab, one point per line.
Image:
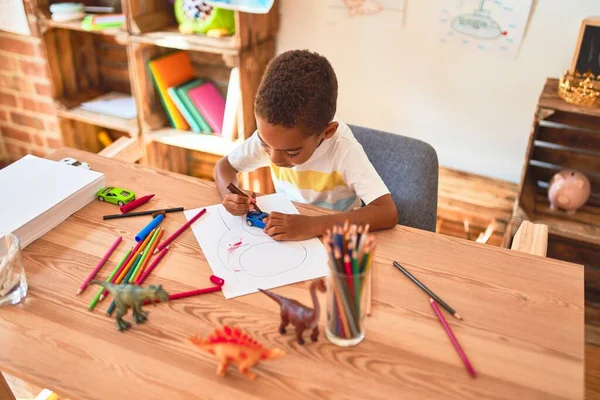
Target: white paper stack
38	194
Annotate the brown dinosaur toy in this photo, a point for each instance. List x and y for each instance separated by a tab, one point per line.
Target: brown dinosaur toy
299	315
231	346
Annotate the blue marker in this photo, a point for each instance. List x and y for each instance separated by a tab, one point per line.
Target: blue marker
153	224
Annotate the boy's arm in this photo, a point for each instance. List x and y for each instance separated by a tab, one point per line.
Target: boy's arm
379	214
224	175
246	157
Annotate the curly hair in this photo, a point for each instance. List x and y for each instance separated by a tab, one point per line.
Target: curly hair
298	88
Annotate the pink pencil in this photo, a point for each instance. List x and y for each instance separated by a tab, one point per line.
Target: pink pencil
179	231
219	282
135	204
100	265
453	339
142	278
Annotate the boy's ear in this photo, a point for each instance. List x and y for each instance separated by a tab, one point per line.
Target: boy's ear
330	130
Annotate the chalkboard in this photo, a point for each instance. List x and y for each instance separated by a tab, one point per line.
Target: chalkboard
587	53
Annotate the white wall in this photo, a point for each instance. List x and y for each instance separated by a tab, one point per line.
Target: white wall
475	110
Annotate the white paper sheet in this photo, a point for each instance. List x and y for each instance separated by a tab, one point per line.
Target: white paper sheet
116	104
247	258
494	27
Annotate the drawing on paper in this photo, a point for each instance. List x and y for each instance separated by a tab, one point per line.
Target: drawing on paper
247	258
492	26
479	24
242	253
357	8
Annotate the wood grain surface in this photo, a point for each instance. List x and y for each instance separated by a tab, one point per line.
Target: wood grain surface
523	327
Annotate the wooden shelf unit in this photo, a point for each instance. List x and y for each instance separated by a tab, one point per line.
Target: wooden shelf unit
85	65
564	136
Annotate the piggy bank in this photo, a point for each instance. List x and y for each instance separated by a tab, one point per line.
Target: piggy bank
569	190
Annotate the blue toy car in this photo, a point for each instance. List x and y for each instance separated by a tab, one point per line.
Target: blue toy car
255	218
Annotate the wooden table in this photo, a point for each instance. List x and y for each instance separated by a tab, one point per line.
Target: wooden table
523	325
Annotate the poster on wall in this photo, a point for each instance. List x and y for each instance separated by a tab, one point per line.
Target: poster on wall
13	18
494	27
384	13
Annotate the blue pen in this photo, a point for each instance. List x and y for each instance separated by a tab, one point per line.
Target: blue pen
153	224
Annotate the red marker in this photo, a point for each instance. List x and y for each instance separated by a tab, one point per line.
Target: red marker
136	203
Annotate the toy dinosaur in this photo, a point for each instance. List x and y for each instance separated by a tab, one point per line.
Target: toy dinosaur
231	346
132	296
298	314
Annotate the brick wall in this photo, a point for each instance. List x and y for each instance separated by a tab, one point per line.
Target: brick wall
27	115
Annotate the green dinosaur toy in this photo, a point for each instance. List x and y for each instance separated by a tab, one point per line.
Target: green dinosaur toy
132	296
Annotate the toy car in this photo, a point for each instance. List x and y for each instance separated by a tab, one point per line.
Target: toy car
75	163
116	195
255	218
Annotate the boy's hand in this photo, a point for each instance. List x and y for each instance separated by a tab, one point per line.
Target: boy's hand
289	226
239	205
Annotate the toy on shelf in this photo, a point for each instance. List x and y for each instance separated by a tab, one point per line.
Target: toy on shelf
63	12
75	163
132	296
196	16
232	346
256	219
299	315
569	190
115	195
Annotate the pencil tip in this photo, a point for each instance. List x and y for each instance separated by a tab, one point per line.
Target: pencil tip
78	292
101	298
431	301
457	315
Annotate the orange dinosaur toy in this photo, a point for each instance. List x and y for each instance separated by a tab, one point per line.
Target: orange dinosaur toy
231	346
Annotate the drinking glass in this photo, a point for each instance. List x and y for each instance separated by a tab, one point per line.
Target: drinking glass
346	307
13	285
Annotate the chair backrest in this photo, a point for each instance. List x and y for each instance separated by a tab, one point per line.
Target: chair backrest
409	168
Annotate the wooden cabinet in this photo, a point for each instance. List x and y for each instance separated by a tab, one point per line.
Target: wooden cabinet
564	136
85	65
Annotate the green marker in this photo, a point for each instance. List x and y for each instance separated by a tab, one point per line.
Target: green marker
111	276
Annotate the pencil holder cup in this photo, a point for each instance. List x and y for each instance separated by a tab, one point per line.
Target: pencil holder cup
13	286
347	298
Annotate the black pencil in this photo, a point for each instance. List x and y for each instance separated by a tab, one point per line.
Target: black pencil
429	292
138	213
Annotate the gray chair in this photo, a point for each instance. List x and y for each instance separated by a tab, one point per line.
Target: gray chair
409	168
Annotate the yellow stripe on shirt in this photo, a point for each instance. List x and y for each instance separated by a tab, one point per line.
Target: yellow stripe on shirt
311	180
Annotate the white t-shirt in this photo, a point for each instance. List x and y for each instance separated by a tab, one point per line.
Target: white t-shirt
337	176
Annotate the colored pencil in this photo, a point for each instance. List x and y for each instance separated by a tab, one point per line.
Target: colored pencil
350	250
179	231
153	244
111	308
132	261
147	253
118	278
236	190
135	204
148	270
99	266
140	213
429	292
191	293
112	274
453	339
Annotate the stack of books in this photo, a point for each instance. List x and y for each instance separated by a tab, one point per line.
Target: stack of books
192	103
39	194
